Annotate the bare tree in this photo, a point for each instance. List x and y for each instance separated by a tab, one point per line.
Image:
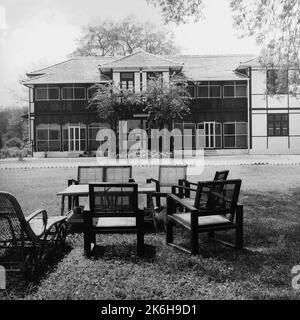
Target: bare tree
110	38
179	11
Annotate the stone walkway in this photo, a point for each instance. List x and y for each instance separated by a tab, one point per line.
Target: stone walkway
240	160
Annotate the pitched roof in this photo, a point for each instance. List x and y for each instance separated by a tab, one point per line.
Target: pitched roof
76	70
86	69
141	59
210	67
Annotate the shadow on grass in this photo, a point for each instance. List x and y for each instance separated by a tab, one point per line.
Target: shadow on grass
19	284
125	252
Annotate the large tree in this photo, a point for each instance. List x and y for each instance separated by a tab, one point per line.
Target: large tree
179	11
109	38
162	101
274	23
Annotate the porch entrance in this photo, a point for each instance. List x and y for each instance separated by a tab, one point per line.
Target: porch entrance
209	135
76	138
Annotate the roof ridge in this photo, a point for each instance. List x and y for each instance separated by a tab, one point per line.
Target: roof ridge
53	65
137	52
212	55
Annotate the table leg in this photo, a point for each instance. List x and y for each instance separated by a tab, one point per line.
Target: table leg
62	207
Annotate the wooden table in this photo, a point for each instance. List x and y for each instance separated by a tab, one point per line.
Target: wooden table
82	190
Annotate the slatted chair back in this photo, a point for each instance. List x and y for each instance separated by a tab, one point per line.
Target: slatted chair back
221	175
13	226
87	174
118	174
169	175
218	197
113	200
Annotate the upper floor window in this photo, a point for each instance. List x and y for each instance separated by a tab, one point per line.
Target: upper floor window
278	124
209	91
127	80
277	81
235	90
73	93
47	93
191	89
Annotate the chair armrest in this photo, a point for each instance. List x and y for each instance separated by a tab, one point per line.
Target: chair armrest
187	182
181	202
37	213
155	181
159	194
175	187
72	181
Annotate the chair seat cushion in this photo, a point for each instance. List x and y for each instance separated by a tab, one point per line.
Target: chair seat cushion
185	218
112	222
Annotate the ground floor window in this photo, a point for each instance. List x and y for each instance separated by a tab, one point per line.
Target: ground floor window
74	137
278	124
214	135
48	137
93	129
235	135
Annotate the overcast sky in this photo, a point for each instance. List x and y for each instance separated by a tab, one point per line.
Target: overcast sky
37	33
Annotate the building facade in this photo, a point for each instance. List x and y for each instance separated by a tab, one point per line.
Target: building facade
231	110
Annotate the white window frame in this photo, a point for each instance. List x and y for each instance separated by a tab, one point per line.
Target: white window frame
73	89
235	134
229	85
48	127
209	85
47	90
240	85
235	85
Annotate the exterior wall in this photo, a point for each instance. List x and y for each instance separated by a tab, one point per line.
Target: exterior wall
64	113
263	105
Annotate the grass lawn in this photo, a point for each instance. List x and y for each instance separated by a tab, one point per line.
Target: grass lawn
271	199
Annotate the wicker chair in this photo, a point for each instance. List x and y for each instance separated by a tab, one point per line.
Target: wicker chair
113	208
28	239
215	209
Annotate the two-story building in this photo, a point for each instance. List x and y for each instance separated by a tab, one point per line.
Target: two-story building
231	110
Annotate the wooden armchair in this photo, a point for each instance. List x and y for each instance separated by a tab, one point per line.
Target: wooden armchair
215	209
113	208
29	238
185	187
167	177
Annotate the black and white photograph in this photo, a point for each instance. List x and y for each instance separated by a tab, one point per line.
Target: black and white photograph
149	151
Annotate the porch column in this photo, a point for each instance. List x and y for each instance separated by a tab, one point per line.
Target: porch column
144	80
137	82
166	77
116	78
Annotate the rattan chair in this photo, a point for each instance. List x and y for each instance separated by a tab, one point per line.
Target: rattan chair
215	209
113	208
25	242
